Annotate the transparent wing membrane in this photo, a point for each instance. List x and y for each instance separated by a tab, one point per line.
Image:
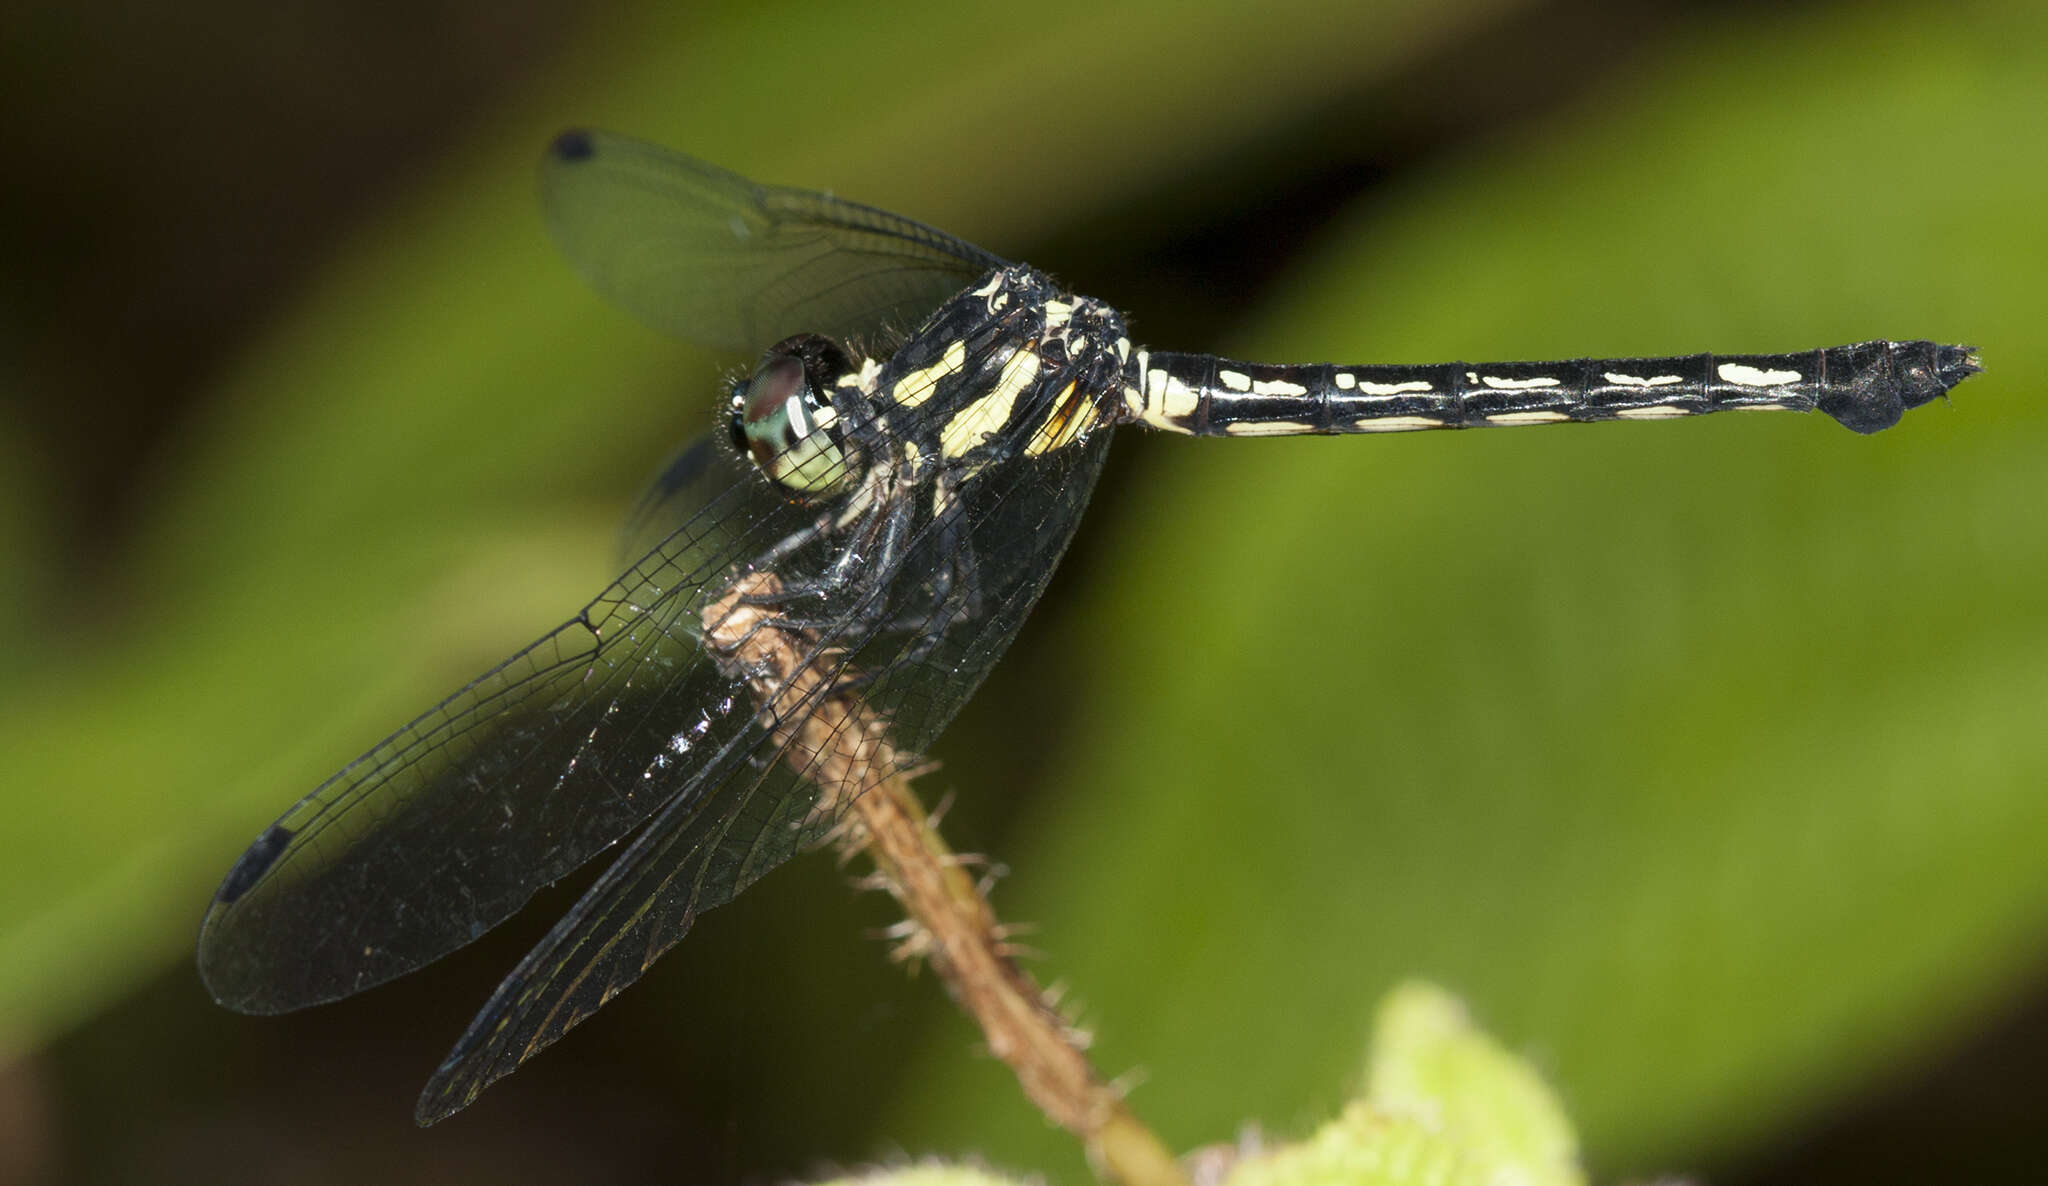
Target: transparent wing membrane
710	257
451	824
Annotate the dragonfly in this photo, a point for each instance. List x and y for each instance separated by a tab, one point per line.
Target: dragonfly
893	482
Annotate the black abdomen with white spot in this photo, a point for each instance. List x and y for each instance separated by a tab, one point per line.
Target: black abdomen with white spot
1866	386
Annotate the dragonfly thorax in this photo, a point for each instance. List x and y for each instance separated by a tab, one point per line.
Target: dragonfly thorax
1009	367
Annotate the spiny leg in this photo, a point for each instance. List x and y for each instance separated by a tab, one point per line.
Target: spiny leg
864	568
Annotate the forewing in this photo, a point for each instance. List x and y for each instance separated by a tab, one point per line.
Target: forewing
667	502
702	850
713	258
448	826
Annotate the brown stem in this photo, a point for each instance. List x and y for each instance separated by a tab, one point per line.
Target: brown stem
833	738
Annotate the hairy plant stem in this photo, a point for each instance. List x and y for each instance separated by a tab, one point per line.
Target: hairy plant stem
806	699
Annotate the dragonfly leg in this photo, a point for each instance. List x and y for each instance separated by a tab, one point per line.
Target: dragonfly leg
836	576
859	576
955	587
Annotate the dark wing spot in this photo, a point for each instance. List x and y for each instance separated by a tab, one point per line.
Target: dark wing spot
254	863
686	466
573	145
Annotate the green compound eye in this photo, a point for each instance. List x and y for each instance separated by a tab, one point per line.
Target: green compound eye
779	420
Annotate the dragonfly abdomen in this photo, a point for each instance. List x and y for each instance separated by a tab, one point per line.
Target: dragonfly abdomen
1866	386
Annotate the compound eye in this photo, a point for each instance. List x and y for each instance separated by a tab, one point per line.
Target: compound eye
781	422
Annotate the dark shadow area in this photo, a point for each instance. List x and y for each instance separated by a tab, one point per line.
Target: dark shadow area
1971	1114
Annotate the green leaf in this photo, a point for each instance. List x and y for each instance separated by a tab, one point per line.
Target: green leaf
1430	1063
924	1174
1444	1105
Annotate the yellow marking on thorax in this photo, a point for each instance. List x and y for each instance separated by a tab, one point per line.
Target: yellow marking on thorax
919	385
985	417
1072	414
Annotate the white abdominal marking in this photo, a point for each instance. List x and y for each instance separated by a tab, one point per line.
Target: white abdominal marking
1748	376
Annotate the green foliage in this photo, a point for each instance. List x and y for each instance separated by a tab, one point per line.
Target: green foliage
1443	1105
925	1174
1432	1066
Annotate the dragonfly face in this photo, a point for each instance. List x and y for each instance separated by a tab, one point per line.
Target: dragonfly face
783	422
897	509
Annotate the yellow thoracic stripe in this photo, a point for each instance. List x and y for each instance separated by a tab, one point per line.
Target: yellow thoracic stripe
987	415
919	385
1072	414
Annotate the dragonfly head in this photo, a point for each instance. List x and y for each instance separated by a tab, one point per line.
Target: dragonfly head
782	419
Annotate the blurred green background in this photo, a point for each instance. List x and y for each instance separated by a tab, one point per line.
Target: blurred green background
1704	760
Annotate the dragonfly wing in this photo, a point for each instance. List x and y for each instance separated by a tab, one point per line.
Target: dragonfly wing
669	502
698	853
710	257
448	826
